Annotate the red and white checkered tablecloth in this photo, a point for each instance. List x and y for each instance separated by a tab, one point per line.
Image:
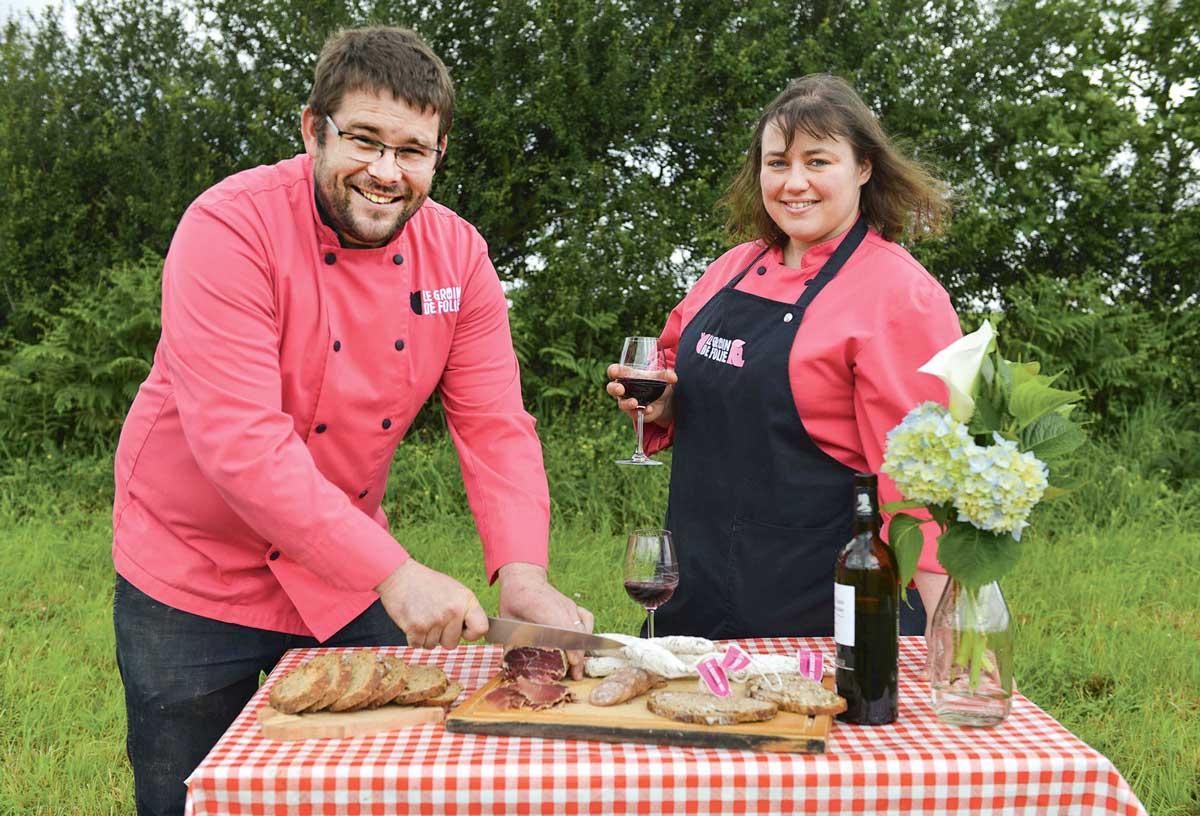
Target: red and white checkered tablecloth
1028	764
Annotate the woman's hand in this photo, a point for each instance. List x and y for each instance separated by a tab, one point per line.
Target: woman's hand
659	412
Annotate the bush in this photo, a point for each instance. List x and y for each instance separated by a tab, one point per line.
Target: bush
1121	354
70	390
579	450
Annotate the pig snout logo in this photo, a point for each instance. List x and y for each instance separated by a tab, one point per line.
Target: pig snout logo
735	353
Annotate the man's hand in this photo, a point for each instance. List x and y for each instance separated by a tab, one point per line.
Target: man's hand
660	411
525	594
432	608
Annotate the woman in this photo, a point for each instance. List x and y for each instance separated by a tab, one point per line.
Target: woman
793	356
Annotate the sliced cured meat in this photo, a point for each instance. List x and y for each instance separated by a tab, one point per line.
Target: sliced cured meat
506	698
543	695
624	684
536	664
524	693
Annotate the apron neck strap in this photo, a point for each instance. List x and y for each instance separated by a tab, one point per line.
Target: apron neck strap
738	277
854	237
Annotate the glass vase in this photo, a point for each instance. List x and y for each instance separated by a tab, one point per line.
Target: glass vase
971	656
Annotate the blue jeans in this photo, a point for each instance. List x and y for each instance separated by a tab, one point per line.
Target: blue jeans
187	677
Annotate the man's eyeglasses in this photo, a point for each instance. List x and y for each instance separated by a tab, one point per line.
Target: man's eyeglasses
414	158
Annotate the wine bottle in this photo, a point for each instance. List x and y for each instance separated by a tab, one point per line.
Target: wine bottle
866	603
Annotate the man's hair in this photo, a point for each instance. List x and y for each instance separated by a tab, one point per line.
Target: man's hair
900	196
381	58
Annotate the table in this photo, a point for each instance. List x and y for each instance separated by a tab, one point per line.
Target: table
1028	764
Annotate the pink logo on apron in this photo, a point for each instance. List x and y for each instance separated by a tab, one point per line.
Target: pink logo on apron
720	349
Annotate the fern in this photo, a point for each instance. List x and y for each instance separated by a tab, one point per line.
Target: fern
69	391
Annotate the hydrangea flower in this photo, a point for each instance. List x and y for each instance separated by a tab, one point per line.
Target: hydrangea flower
927	454
1000	487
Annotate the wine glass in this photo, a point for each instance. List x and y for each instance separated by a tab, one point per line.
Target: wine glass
651	569
642	373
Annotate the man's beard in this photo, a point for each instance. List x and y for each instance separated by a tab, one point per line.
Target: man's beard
338	206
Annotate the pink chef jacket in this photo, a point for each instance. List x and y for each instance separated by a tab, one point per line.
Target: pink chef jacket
854	362
251	466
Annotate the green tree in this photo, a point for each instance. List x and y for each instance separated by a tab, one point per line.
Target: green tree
593	139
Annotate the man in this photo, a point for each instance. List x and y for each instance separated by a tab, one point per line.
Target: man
309	310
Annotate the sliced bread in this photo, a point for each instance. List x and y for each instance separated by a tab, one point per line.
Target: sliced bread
300	687
365	675
445	699
707	709
798	694
339	676
423	683
394	680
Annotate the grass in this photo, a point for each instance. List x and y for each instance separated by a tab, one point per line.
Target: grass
1106	602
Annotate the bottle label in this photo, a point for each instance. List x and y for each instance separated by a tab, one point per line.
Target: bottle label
843	614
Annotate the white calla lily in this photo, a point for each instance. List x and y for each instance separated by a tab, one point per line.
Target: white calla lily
958	365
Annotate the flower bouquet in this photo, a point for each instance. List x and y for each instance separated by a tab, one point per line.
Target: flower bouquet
978	468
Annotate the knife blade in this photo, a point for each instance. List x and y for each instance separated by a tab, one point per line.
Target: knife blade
523	633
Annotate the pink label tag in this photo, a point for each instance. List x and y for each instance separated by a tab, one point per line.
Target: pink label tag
812	665
713	676
735	659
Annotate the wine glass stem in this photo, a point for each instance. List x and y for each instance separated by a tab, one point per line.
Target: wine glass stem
650	613
640	453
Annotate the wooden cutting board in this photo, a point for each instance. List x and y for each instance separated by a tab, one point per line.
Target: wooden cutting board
631	721
328	724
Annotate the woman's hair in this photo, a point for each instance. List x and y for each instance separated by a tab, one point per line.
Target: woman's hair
382	58
901	196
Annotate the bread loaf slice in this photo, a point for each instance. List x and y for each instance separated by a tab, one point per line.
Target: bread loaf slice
445	699
799	695
393	682
423	683
338	667
708	709
365	674
300	687
382	672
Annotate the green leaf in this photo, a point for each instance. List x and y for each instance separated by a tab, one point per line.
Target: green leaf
988	416
1032	400
942	513
987	369
904	534
1051	437
1004	377
976	557
907	504
1021	373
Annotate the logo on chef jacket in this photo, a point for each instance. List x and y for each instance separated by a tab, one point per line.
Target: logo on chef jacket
436	301
720	349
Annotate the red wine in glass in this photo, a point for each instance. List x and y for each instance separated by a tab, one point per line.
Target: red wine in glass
652	594
651	570
642	373
644	391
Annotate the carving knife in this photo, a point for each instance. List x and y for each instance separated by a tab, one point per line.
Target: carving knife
522	633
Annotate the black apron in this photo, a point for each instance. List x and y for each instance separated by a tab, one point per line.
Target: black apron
758	512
